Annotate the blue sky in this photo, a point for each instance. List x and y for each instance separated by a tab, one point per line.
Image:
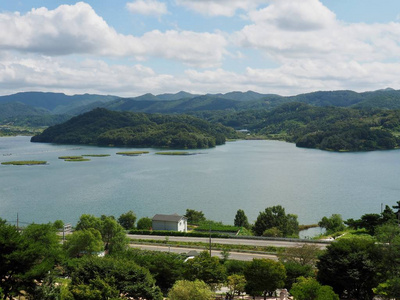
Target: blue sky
132	47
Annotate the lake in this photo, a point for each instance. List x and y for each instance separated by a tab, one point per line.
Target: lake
248	175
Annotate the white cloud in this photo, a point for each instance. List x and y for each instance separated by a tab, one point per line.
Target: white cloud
225	8
147	7
291	30
77	29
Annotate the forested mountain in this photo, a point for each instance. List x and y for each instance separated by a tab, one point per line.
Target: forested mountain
183	102
336	120
55	102
327	128
104	127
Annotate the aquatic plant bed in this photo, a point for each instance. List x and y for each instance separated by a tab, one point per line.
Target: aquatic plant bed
96	155
73	158
24	162
70	157
132	153
78	159
176	153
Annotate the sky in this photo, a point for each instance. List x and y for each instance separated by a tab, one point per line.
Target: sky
132	47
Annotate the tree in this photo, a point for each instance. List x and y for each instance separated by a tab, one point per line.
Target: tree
144	223
205	268
350	266
332	224
310	289
26	258
88	221
294	270
105	277
305	254
84	242
166	268
194	216
127	220
236	284
113	235
190	290
275	217
388	236
390	289
58	224
264	276
241	219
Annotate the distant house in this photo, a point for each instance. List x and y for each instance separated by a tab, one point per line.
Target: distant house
173	222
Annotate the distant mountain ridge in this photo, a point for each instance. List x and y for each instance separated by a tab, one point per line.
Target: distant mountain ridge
41	104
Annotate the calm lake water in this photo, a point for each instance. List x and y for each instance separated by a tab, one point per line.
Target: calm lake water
248	175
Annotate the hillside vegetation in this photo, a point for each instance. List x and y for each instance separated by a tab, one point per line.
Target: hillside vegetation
104	127
326	128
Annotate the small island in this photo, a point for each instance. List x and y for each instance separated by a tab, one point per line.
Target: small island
175	153
96	155
25	162
103	127
132	153
73	158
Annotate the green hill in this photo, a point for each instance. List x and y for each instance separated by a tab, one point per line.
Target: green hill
104	127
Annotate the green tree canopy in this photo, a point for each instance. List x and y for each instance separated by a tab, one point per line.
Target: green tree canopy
241	219
26	258
276	217
310	289
332	224
107	277
350	266
144	223
127	220
205	268
194	216
84	242
264	276
166	268
190	290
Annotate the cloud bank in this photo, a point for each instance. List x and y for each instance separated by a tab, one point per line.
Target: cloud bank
285	47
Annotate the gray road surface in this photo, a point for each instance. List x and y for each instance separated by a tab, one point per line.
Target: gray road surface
262	243
233	255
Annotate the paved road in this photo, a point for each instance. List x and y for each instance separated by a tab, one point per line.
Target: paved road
262	243
233	255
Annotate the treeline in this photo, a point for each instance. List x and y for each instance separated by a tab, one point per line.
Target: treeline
326	128
361	265
104	127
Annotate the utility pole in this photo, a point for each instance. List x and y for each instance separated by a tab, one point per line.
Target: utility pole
210	239
17	222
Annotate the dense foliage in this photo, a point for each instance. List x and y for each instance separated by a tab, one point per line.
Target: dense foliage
104	127
33	263
274	222
327	128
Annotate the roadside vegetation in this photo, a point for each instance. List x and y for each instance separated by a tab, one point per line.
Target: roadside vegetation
362	265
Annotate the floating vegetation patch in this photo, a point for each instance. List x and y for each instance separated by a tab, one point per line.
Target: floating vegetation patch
78	159
132	153
176	153
70	157
25	162
73	158
96	155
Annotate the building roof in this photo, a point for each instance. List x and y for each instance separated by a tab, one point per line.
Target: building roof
168	218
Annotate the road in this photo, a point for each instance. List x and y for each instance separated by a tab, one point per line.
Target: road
232	255
251	242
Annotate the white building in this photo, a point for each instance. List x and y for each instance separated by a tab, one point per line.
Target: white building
173	222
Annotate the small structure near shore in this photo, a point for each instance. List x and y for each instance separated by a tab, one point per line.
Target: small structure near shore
173	222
